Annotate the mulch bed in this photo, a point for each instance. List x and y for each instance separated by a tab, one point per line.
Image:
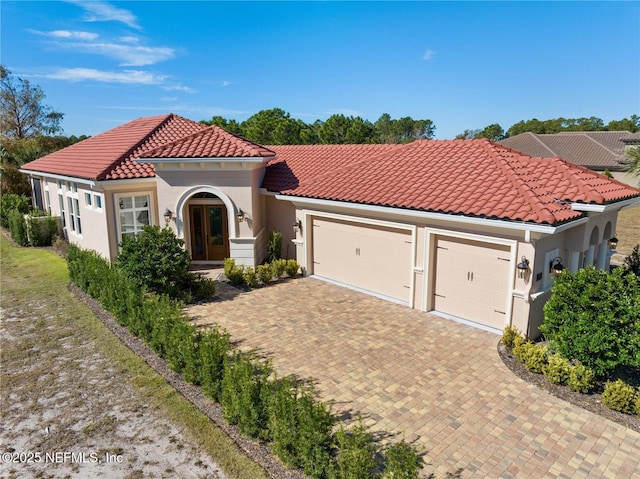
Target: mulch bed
256	450
591	402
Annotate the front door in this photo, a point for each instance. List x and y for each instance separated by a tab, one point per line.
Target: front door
209	232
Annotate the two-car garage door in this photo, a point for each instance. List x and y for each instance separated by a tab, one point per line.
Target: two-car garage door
469	277
369	257
471	280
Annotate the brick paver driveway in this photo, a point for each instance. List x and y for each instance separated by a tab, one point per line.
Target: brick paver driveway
431	379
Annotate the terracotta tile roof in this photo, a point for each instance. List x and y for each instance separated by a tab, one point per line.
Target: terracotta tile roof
593	149
309	161
111	155
460	177
212	142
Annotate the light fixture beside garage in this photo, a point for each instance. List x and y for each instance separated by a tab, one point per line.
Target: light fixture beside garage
556	267
523	267
241	215
297	226
613	242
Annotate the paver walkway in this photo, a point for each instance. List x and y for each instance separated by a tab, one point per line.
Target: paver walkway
431	379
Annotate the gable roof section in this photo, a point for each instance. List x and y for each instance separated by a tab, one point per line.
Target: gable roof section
593	149
461	177
211	142
111	155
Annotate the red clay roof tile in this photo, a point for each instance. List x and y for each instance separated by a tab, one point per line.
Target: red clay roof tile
111	155
462	177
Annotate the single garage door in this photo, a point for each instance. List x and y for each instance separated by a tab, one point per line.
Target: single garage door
373	258
471	280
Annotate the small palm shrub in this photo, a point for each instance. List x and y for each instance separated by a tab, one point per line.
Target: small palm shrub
581	378
509	335
638	402
557	369
619	396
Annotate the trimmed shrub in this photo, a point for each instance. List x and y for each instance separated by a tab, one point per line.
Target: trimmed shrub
356	453
155	258
244	394
249	277
594	317
278	267
41	228
638	402
403	461
264	273
535	358
581	379
18	228
509	335
557	369
291	268
11	202
233	272
619	396
274	247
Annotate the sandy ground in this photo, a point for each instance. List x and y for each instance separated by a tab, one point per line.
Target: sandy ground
66	412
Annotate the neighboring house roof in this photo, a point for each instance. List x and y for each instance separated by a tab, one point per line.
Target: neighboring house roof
111	155
597	150
212	142
462	177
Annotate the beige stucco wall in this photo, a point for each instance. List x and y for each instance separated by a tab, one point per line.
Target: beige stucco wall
280	215
236	185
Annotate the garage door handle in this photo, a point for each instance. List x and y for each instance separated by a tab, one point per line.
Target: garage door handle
501	312
439	295
472	276
468	275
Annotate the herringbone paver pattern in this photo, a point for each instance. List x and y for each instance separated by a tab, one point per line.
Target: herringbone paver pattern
433	380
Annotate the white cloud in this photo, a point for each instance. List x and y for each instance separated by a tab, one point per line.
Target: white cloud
129	39
344	111
178	87
88	74
224	83
105	12
129	55
428	55
67	34
169	99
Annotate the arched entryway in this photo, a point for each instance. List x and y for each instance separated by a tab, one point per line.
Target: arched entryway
206	221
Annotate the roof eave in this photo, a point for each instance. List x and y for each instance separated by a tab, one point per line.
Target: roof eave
245	159
420	214
599	208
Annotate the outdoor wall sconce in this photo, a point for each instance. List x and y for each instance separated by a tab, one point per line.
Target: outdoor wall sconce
613	242
523	267
241	215
297	226
555	266
168	216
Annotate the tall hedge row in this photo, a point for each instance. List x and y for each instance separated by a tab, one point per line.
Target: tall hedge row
282	411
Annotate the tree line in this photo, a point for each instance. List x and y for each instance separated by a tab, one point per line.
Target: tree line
276	127
496	133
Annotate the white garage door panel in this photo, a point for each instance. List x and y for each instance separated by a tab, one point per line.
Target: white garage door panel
375	259
471	280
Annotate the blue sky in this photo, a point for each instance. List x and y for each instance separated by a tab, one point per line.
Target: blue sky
463	65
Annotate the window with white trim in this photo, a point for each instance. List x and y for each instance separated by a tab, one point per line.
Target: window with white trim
61	203
74	213
47	200
134	212
87	200
97	201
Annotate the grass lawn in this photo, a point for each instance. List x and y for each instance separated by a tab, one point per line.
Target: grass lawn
68	384
628	232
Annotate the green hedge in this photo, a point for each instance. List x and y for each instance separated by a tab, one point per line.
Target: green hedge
282	411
